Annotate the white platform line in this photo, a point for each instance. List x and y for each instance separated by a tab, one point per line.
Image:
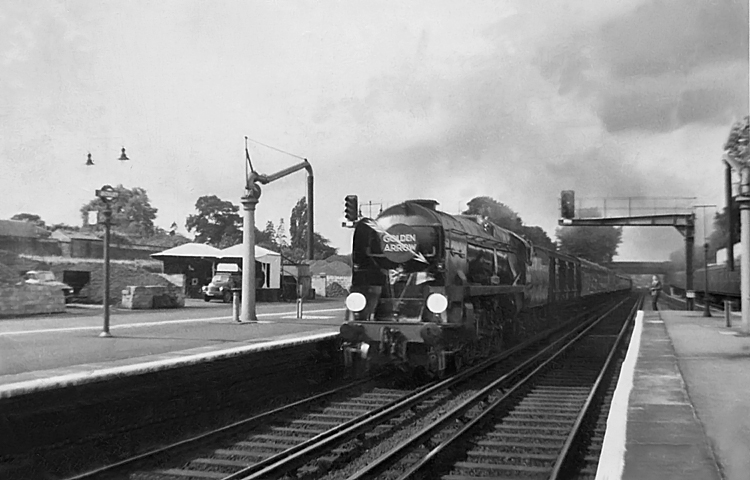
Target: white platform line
284	315
612	458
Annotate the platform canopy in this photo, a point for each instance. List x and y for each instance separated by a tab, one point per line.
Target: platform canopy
191	250
236	253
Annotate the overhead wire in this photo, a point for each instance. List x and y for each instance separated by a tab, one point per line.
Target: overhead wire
274	148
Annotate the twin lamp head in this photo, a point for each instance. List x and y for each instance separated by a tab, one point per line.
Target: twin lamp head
123	157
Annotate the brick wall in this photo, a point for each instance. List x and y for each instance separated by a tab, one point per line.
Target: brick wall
30	299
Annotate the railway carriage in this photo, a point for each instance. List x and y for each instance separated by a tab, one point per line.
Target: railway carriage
431	290
723	284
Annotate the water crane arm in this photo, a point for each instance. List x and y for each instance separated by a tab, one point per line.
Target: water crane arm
265	179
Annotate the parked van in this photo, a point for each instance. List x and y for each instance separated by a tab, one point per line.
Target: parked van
227	277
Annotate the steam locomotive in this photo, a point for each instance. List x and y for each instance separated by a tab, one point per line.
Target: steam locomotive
431	291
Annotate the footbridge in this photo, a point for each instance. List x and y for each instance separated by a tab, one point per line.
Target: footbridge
640	268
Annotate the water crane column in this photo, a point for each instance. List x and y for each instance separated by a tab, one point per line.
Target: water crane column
249	201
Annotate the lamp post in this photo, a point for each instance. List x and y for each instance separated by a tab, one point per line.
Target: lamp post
706	307
106	194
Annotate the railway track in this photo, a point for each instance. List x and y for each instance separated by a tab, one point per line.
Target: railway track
319	436
537	427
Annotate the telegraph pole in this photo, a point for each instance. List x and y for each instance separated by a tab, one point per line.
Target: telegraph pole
706	306
743	200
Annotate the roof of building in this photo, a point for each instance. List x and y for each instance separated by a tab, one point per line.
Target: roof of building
195	250
336	268
68	235
17	228
236	252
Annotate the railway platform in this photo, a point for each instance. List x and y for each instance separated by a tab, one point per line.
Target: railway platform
42	353
681	409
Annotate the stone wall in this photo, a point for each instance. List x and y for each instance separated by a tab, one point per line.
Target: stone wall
30	299
152	296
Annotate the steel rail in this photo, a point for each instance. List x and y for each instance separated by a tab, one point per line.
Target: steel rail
392	456
297	455
289	460
595	390
213	434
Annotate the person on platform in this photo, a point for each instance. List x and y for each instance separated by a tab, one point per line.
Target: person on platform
655	292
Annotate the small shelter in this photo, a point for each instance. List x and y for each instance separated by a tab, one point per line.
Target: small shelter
267	269
194	262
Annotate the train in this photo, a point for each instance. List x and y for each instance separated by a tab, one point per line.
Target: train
723	283
432	291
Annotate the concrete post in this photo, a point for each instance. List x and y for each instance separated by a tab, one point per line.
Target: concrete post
728	312
249	201
744	202
235	305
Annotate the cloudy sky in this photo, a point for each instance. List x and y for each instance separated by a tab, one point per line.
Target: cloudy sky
389	100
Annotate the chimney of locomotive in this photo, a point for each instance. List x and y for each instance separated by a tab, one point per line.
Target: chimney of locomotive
426	203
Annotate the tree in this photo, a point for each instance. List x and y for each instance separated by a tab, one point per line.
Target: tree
64	226
739	138
719	238
280	237
298	233
298	225
132	212
167	238
216	223
596	244
30	218
267	238
538	237
498	213
504	216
